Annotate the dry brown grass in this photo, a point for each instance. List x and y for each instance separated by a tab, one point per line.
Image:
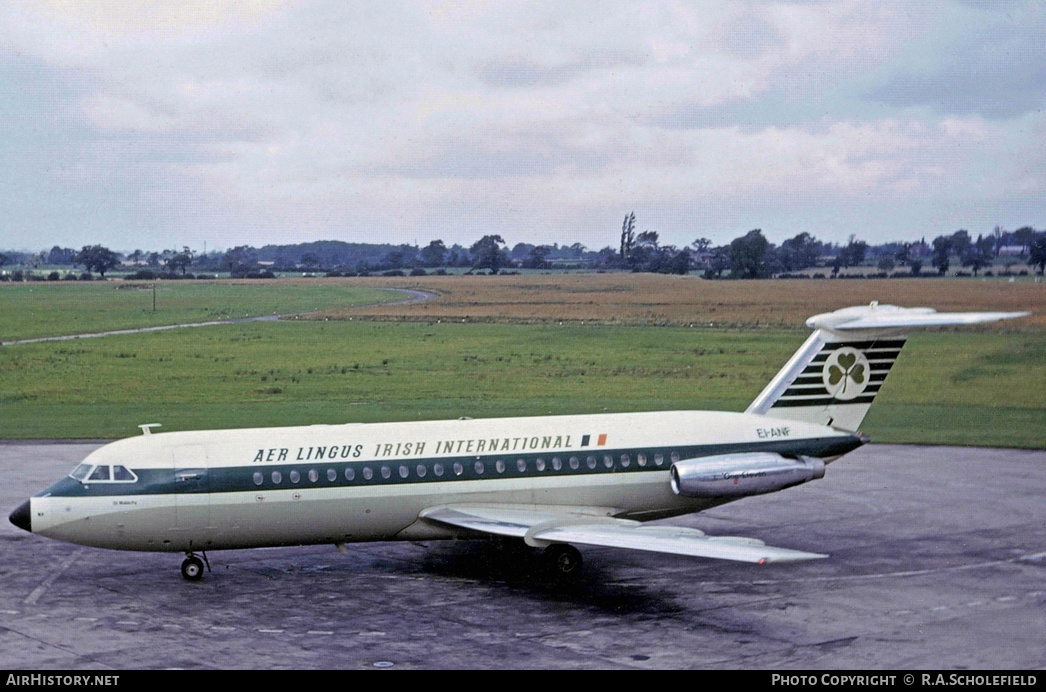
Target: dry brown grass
650	299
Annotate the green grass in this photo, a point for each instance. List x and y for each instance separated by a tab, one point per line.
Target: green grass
39	309
952	388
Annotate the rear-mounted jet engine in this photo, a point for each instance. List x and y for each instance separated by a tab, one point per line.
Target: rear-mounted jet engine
738	475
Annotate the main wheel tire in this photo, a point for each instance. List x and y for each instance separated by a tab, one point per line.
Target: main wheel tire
564	560
192	569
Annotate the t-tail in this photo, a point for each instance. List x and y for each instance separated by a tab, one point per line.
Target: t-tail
834	377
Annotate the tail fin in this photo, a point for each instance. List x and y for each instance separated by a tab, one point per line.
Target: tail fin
834	377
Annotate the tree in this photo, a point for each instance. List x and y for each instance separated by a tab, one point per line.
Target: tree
701	245
577	250
488	253
799	252
628	237
961	242
240	259
61	255
1024	236
1037	253
678	263
853	254
645	251
748	256
538	258
179	260
648	239
942	246
904	254
978	254
97	258
432	255
718	262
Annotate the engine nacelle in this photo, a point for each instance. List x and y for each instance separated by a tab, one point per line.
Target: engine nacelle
738	475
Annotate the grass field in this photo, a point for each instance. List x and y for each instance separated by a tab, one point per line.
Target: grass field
981	387
39	309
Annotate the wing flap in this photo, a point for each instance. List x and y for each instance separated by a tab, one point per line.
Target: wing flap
676	541
543	527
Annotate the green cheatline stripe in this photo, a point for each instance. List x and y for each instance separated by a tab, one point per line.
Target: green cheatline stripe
242	478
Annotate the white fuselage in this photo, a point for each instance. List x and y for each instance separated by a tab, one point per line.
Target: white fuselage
212	490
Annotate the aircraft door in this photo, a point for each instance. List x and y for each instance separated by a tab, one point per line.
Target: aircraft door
192	492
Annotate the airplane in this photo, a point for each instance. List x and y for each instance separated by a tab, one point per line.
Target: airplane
549	482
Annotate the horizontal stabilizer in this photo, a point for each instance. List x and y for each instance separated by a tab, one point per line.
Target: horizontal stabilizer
877	316
546	526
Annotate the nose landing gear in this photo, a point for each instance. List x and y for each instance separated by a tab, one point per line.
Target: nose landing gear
192	566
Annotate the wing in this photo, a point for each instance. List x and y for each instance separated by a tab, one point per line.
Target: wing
541	527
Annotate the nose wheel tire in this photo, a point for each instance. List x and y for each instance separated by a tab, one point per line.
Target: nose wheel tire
192	568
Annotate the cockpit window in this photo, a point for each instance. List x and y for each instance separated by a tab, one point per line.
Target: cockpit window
89	473
100	473
122	473
81	471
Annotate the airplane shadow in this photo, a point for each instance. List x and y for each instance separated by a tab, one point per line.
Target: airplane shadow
524	570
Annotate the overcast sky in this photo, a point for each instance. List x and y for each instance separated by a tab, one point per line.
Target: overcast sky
156	124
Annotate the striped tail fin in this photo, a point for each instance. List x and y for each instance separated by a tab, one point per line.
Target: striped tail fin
834	377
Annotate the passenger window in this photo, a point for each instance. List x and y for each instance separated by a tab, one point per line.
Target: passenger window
349	474
521	464
437	469
404	471
313	476
641	459
421	470
386	472
295	476
540	463
500	466
479	467
258	477
591	462
332	475
659	459
277	477
574	463
458	469
367	473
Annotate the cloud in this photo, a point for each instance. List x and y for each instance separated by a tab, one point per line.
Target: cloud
271	121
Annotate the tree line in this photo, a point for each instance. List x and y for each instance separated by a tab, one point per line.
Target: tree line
749	256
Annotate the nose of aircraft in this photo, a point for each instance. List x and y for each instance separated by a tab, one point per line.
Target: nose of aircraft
21	518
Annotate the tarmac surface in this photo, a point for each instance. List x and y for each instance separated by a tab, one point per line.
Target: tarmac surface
938	561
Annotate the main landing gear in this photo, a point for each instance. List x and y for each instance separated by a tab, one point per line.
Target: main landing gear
192	566
563	560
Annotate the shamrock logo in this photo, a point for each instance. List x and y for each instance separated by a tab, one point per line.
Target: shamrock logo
846	373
